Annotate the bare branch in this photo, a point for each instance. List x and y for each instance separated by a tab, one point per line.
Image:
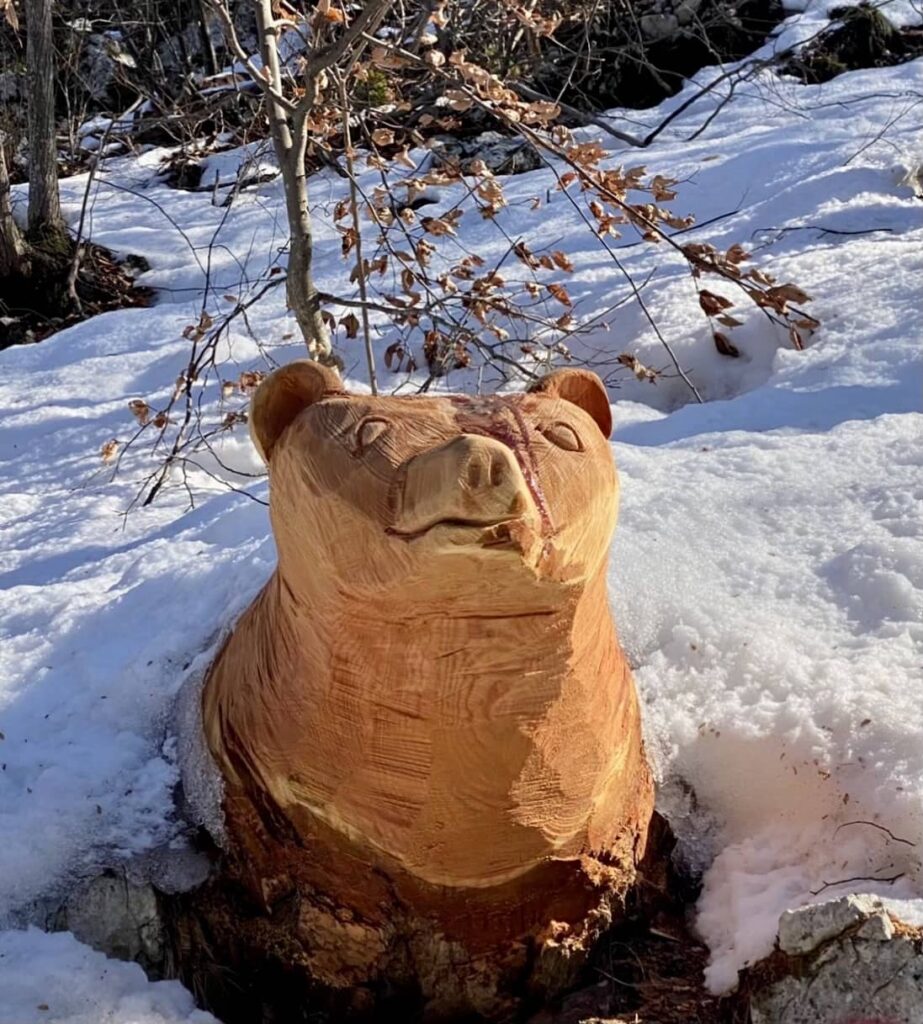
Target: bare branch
233	40
364	25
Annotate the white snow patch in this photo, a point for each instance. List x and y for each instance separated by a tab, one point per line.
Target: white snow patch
54	979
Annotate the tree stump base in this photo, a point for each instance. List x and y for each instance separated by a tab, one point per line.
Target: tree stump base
289	929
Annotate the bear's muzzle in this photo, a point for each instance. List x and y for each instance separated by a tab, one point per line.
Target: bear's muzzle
470	481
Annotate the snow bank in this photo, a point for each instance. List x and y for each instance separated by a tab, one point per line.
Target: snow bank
770	590
768	568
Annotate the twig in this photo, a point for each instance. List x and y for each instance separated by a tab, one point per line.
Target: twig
636	292
255	73
78	240
357	228
742	73
634	215
881	828
856	878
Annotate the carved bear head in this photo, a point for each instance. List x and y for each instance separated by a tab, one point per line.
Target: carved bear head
436	495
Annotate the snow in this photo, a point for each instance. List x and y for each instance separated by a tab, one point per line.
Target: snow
767	575
775	616
54	979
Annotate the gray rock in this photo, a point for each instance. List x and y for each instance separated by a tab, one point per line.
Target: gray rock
658	26
879	927
848	961
118	917
103	57
686	10
807	928
500	154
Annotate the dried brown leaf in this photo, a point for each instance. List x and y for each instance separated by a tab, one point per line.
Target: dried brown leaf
140	410
12	19
562	262
724	345
713	304
350	323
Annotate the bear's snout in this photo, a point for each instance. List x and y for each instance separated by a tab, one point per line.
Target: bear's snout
470	480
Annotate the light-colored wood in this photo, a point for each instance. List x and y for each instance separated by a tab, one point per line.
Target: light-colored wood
427	706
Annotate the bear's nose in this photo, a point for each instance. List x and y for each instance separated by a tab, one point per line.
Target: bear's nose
486	466
470	479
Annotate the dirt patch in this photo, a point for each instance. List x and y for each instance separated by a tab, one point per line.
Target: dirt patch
658	979
650	976
650	968
37	305
862	38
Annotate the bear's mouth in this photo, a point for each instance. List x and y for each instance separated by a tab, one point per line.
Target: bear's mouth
509	533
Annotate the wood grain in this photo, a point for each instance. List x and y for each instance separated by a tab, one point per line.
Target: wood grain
431	681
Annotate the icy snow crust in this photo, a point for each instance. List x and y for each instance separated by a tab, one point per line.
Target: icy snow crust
767	575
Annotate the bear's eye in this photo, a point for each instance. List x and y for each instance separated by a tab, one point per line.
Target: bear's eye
368	431
563	436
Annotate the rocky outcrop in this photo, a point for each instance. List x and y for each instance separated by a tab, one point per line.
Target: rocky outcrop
852	960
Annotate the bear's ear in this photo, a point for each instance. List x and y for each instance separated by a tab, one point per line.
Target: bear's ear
283	394
583	388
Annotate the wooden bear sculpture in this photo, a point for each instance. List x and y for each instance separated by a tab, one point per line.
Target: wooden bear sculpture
435	788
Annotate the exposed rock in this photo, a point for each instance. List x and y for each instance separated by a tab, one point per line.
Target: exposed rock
658	26
501	155
804	929
105	56
665	18
121	911
118	917
686	10
862	37
846	961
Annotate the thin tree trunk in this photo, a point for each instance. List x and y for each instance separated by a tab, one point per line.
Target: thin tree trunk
12	246
45	220
208	47
301	292
289	141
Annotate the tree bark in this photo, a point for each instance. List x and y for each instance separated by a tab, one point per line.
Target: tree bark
208	47
290	141
45	220
12	246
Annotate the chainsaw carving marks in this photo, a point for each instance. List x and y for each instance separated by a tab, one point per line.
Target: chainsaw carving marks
430	690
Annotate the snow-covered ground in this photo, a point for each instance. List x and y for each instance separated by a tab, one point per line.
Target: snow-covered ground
767	576
56	978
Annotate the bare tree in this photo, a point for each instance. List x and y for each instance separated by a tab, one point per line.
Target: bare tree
288	120
45	221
